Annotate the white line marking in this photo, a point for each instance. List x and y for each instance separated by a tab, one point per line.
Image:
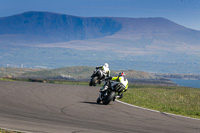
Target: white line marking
155	110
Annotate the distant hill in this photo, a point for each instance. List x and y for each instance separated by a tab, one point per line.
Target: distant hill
59	40
74	73
83	73
78	73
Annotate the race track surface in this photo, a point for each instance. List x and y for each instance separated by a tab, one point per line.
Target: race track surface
59	108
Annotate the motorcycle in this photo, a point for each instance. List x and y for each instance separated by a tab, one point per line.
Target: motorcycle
108	92
96	77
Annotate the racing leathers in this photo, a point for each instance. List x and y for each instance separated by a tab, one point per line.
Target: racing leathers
105	71
122	80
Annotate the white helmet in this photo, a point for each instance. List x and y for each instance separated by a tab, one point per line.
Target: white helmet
106	65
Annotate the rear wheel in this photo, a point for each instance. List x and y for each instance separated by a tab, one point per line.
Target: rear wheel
109	98
90	84
94	81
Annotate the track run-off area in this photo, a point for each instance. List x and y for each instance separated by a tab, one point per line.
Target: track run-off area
59	108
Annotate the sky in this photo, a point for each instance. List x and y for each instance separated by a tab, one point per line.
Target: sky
183	12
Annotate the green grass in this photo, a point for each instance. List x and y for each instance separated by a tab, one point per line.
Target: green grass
6	79
7	131
177	100
70	82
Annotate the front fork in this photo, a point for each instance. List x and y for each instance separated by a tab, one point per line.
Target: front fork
103	92
102	95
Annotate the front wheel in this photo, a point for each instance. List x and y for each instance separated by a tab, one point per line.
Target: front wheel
98	100
109	98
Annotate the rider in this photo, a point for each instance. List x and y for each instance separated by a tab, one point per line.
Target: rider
122	80
105	69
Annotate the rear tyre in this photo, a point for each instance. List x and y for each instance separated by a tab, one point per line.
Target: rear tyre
94	81
90	84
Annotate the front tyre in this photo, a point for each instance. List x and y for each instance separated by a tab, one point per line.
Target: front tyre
109	98
98	100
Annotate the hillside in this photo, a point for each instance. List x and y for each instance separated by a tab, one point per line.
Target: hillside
11	72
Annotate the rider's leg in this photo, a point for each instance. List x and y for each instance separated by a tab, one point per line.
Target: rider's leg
120	93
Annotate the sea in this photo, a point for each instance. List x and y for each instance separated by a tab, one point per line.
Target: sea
187	82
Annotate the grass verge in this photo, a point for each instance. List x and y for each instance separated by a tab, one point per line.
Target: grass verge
177	100
7	131
6	79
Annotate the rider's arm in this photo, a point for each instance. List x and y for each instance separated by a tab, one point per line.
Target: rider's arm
99	67
114	78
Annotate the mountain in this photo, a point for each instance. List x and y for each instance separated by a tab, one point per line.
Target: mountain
52	27
46	27
59	40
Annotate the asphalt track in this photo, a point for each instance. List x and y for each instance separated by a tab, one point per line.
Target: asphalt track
59	108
